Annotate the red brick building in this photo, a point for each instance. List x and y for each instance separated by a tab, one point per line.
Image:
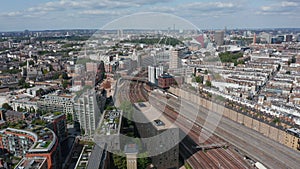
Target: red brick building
165	81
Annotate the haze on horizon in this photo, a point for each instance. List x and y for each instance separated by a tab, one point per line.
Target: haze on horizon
93	14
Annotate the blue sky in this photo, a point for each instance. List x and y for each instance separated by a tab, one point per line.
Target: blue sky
206	14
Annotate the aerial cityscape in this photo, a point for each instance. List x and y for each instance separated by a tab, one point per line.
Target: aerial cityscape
150	84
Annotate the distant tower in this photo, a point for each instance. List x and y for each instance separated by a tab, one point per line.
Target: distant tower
27	65
85	53
27	70
151	74
120	33
254	39
134	55
175	61
139	60
219	38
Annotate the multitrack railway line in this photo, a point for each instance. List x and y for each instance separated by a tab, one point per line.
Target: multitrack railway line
212	158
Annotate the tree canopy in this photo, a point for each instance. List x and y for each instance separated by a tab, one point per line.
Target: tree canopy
228	57
6	106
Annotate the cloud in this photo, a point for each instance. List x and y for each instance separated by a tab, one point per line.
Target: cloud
86	7
280	8
211	6
12	14
289	4
214	9
101	12
194	9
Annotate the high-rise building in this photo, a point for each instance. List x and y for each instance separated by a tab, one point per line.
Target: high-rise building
88	108
219	38
175	61
151	74
280	39
288	38
266	37
158	71
254	38
274	40
154	73
120	33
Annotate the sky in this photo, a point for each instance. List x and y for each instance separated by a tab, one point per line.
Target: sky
19	15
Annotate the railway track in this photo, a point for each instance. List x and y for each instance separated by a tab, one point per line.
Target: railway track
213	158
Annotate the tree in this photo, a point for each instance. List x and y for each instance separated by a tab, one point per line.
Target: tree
143	161
65	75
51	68
69	118
31	62
228	57
199	79
55	76
6	106
23	83
293	59
20	109
65	84
278	68
45	71
82	132
208	83
119	161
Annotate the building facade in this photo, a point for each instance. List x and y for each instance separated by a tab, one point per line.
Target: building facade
36	142
57	102
219	38
88	108
175	61
165	81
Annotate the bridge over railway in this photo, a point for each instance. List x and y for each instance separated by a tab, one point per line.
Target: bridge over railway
134	78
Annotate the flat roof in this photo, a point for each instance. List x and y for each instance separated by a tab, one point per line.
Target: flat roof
32	162
159	121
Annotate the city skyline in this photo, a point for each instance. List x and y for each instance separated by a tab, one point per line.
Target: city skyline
92	14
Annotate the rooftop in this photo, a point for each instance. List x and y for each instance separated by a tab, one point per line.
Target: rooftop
110	122
32	162
52	116
154	116
44	139
294	131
